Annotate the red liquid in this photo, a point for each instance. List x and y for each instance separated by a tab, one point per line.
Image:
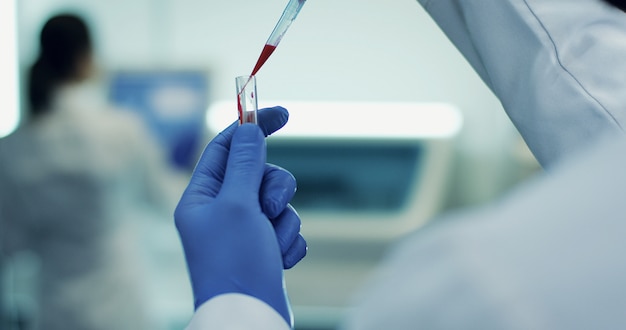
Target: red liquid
249	115
240	108
265	54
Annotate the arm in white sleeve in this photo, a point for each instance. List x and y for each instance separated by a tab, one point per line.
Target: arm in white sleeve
548	256
160	183
557	66
236	311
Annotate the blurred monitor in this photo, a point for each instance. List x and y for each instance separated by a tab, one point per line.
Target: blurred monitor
349	176
172	102
381	165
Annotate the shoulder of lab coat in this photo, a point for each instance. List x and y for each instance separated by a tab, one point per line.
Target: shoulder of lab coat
558	67
548	256
236	311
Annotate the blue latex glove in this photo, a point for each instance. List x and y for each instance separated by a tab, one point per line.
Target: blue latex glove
237	229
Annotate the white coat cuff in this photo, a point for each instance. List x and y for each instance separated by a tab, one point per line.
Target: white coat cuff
236	311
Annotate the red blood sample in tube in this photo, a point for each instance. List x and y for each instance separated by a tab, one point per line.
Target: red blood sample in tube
240	108
249	115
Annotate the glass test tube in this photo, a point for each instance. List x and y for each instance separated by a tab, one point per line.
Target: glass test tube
246	99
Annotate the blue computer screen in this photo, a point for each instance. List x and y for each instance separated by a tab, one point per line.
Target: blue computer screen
172	102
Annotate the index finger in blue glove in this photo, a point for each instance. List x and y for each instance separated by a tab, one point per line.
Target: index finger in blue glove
207	177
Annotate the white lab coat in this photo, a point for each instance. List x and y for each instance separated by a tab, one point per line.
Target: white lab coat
68	181
549	256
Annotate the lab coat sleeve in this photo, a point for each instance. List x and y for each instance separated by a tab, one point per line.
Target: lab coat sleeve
236	311
163	184
160	183
557	66
548	256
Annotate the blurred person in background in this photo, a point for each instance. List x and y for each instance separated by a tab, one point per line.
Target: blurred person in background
67	177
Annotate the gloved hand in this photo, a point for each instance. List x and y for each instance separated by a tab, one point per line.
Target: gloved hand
236	226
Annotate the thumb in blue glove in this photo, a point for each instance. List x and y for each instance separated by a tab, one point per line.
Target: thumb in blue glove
231	244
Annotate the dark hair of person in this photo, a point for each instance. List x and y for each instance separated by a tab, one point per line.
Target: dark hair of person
64	42
621	4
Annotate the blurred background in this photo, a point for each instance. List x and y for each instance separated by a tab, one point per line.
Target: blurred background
364	82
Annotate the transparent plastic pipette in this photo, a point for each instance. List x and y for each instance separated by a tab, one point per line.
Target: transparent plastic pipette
289	15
